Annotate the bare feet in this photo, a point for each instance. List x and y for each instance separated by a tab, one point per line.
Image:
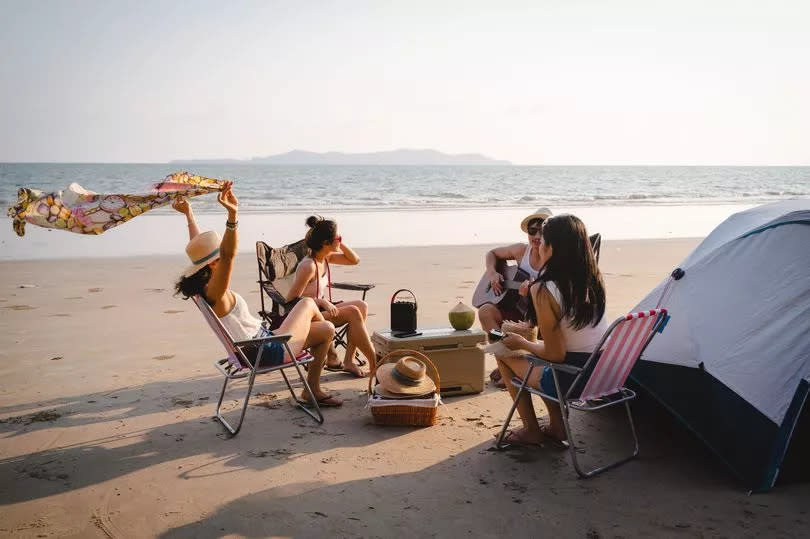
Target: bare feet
350	367
332	360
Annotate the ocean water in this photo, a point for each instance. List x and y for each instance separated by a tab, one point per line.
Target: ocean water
275	188
404	206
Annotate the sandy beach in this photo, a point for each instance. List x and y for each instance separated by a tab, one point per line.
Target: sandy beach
106	425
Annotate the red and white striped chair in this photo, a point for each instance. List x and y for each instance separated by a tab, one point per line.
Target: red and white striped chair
237	366
614	357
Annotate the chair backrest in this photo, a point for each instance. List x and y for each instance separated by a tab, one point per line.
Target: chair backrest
596	244
235	356
621	346
276	263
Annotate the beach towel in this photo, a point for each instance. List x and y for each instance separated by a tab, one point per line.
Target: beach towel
84	212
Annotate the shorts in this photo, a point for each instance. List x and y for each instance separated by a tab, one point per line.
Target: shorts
273	353
577	359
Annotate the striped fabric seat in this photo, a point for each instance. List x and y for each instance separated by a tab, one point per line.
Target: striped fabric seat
612	360
620	352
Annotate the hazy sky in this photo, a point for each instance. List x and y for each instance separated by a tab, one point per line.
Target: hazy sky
536	82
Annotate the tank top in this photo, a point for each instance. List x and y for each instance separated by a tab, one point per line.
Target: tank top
323	280
239	322
578	340
526	265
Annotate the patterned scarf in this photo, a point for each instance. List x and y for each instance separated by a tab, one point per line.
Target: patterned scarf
84	212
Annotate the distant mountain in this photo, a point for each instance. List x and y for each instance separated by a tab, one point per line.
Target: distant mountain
395	157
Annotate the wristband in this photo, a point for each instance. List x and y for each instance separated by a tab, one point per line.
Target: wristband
231	225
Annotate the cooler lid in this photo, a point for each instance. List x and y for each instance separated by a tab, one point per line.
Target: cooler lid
437	337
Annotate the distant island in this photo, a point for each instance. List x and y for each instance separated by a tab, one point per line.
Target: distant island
395	157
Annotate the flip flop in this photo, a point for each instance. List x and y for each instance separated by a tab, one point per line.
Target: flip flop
557	443
329	401
333	368
512	439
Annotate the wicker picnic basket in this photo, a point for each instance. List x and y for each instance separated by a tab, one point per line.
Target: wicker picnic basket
420	413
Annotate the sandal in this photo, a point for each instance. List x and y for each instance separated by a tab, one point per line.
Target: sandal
554	441
513	438
328	401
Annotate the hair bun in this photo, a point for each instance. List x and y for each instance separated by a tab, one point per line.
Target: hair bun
312	220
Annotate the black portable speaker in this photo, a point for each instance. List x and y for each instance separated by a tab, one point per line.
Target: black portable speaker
403	314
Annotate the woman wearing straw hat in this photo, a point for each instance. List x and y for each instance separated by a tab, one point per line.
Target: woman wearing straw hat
527	254
209	276
569	306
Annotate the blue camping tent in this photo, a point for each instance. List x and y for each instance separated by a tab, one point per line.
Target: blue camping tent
734	362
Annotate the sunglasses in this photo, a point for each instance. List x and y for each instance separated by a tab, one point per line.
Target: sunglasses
534	230
338	238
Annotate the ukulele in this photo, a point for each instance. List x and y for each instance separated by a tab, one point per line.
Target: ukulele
513	277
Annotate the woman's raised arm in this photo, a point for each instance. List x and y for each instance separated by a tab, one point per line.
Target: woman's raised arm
221	277
182	205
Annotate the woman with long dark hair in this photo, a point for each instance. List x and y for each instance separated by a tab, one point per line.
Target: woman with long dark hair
209	276
569	305
312	277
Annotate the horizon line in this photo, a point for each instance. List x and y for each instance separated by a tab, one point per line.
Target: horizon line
247	162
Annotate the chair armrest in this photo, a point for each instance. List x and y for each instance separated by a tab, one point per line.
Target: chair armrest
353	286
284	337
564	367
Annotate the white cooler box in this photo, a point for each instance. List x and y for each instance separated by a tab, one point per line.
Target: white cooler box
459	361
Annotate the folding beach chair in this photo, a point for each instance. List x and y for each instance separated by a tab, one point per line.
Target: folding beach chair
237	366
276	275
614	357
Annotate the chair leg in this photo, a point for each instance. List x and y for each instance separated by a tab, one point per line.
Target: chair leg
594	471
235	430
499	444
317	415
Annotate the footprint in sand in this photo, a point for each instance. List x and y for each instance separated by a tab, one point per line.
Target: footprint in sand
155	289
75	297
172	311
3	300
59	314
109	306
95	289
182	402
164	357
19	307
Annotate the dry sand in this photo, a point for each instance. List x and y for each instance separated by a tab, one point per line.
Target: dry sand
106	429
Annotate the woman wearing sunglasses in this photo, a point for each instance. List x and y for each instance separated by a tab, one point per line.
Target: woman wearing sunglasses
492	315
312	278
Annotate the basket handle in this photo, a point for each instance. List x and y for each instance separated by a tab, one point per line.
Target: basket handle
395	355
403	290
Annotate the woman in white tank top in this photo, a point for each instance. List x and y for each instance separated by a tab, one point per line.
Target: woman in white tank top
569	302
209	276
312	278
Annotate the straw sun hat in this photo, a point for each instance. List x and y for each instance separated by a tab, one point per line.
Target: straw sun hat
202	250
403	379
541	213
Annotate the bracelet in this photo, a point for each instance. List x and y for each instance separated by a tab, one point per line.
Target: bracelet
231	225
